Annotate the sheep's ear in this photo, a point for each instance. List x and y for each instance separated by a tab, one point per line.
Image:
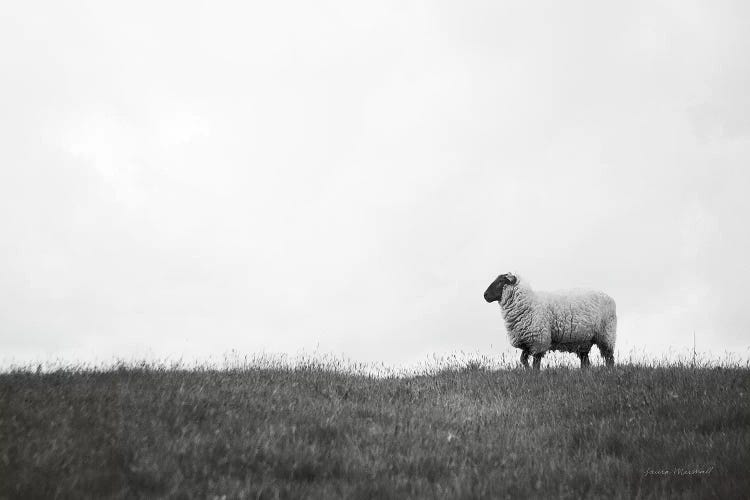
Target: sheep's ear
512	280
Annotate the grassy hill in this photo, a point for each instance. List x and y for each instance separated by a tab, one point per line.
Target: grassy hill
315	431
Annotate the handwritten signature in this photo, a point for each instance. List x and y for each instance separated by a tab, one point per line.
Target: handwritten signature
679	471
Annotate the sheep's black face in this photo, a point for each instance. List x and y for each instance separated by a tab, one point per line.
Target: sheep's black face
495	290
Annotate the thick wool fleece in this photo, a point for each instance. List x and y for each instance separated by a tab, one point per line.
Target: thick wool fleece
559	321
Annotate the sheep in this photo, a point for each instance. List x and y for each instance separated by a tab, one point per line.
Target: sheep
569	321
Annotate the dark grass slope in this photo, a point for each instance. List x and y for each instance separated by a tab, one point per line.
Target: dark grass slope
632	431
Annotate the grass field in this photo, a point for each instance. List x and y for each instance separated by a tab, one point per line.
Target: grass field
316	431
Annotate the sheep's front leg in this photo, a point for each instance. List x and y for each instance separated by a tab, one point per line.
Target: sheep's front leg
525	358
584	357
538	360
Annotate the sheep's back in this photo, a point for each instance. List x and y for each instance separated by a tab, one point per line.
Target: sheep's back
577	316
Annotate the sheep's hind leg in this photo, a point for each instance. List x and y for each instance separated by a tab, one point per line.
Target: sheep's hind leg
606	343
525	358
538	360
608	355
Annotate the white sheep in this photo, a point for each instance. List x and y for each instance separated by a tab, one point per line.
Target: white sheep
569	321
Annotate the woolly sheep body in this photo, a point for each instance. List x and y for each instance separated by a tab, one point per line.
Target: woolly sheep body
570	321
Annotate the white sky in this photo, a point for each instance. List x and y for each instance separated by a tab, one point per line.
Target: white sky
183	179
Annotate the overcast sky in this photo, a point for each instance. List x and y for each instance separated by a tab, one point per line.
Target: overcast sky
183	178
